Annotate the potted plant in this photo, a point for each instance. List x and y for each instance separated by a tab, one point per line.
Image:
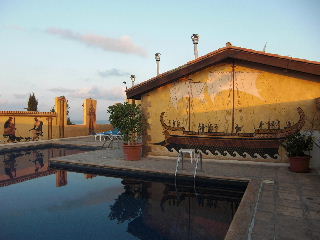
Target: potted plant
296	146
128	118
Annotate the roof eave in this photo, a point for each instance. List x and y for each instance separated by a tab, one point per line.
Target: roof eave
221	55
136	93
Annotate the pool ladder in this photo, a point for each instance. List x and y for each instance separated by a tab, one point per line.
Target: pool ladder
195	157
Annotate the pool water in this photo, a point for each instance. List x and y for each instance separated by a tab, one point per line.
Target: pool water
22	165
69	205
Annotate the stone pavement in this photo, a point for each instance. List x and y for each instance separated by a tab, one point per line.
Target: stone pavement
277	204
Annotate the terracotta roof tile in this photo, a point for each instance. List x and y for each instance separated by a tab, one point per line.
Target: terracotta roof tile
234	50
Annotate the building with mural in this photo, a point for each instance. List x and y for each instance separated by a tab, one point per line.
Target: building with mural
233	103
17	126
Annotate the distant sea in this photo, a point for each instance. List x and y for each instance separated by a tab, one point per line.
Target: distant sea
98	121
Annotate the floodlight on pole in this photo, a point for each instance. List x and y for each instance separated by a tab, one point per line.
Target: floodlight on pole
157	57
133	79
195	39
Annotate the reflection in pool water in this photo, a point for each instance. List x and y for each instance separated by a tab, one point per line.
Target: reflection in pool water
163	211
68	205
27	164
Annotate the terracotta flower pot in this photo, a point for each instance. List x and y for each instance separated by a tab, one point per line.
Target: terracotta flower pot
132	152
299	164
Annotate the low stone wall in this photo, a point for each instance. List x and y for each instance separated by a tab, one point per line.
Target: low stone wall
75	130
103	127
82	130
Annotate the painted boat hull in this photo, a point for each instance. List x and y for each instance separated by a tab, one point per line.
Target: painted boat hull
197	141
264	143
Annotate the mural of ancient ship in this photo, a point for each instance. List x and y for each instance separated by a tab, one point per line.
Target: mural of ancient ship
260	143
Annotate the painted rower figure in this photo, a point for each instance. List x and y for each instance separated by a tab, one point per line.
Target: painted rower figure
37	129
9	130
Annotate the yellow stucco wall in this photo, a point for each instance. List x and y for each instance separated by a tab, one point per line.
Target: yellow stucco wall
87	105
82	130
24	121
260	94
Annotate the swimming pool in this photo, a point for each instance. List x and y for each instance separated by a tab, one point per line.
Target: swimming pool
70	205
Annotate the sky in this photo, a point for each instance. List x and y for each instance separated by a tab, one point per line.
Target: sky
81	49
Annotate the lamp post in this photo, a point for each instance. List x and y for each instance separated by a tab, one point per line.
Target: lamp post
195	39
157	57
125	83
133	79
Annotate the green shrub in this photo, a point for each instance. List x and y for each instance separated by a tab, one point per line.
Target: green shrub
128	118
298	144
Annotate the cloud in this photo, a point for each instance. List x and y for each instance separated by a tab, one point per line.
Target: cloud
60	90
9	105
21	96
113	94
15	27
102	196
113	72
123	44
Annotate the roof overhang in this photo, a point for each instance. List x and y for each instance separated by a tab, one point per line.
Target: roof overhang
237	53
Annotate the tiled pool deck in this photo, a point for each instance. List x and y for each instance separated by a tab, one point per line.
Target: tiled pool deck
286	206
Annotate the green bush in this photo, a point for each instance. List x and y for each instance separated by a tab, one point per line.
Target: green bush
297	144
128	118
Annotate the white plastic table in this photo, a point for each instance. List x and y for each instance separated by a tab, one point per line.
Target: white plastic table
100	135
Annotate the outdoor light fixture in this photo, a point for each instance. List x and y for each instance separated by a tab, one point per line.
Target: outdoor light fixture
157	57
195	39
125	83
133	79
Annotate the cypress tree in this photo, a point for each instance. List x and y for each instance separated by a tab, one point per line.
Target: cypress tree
32	103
